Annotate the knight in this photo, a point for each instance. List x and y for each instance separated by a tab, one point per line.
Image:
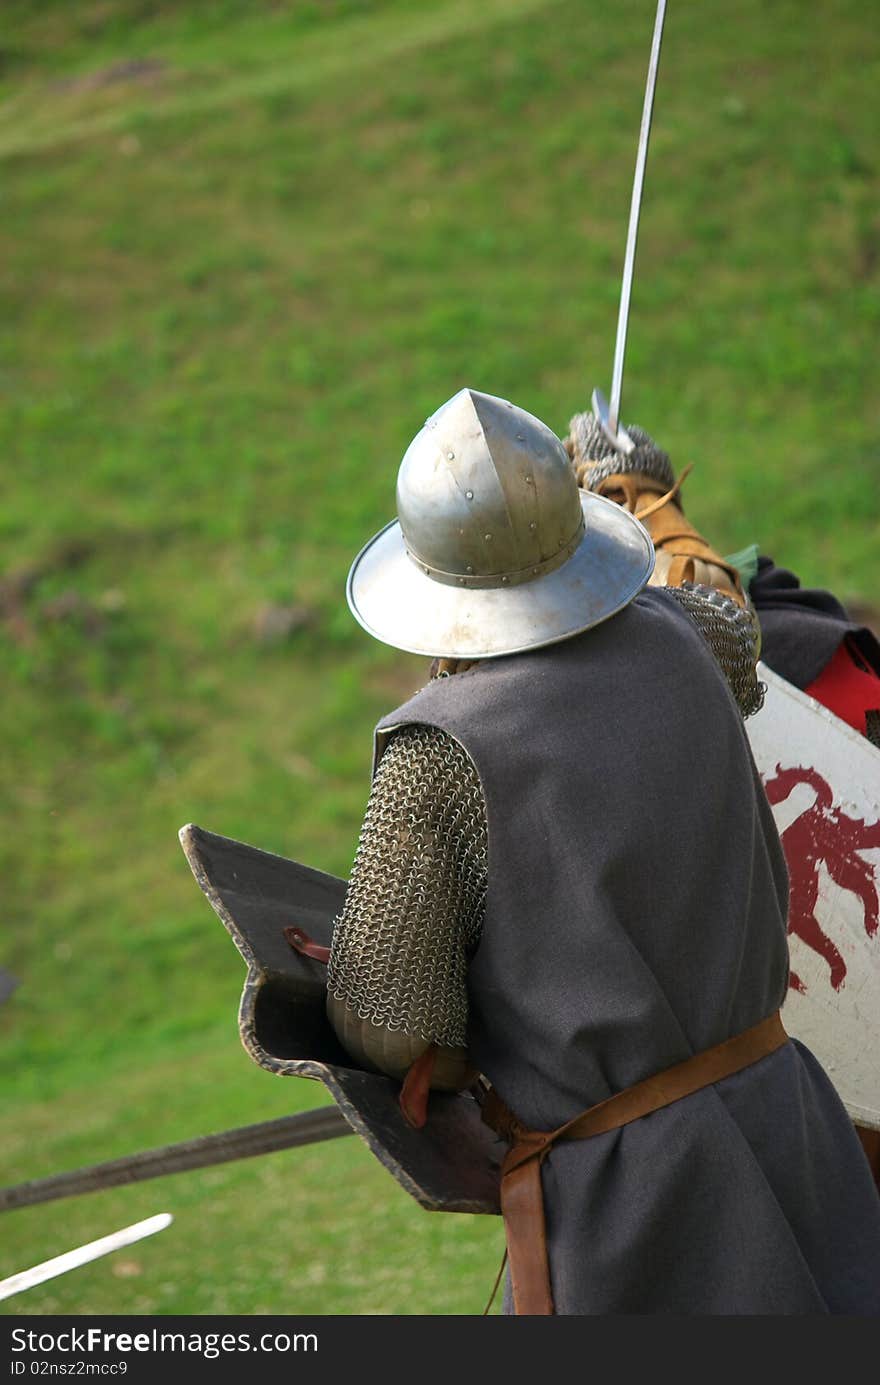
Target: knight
569	889
807	636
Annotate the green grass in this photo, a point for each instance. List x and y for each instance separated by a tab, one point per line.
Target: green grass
234	283
316	1230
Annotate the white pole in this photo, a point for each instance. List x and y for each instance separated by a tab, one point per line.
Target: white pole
635	208
72	1259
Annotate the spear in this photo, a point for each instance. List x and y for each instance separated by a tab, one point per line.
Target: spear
609	415
246	1141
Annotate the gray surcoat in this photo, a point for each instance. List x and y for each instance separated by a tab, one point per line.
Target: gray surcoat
635	915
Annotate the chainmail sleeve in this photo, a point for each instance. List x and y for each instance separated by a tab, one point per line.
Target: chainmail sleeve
732	633
414	909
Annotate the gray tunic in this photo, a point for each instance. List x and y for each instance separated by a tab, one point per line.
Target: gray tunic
635	915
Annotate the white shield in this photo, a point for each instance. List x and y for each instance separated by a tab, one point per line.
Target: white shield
823	780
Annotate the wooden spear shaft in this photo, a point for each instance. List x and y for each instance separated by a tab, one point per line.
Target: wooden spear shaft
306	1128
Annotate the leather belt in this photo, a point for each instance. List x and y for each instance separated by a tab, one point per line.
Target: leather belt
522	1201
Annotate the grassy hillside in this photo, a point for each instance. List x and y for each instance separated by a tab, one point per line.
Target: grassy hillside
245	249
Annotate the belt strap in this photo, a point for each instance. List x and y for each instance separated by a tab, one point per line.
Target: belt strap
522	1202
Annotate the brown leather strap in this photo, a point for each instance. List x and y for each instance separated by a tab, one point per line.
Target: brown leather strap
666	497
301	942
501	1268
522	1207
681	569
413	1099
522	1202
658	509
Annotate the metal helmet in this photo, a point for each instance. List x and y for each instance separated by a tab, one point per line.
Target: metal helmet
495	549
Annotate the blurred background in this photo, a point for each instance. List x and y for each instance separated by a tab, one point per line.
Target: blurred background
245	249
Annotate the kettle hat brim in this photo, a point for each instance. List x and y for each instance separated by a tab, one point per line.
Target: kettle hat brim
396	602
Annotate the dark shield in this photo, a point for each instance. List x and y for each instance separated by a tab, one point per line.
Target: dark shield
452	1164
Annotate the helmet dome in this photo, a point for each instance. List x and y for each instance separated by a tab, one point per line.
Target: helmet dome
495	549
